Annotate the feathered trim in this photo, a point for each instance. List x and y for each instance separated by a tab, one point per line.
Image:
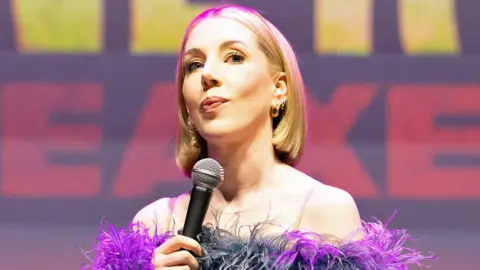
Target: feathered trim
379	248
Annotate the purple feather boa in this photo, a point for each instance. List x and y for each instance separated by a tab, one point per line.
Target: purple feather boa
379	248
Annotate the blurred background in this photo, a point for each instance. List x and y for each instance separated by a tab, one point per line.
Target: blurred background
87	116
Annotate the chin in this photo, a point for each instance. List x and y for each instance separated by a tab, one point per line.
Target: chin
219	130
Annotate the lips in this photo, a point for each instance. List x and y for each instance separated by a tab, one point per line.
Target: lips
210	104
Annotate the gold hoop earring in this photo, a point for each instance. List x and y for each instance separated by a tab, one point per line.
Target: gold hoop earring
193	132
275	110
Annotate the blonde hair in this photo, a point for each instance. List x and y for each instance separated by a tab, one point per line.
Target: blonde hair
289	128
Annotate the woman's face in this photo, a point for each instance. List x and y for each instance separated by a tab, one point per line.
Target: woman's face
228	88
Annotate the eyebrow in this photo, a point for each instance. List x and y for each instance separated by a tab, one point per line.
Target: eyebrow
224	45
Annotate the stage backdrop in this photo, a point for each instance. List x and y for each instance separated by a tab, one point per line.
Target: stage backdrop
88	109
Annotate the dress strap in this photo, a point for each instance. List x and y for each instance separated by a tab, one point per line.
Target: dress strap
171	208
301	210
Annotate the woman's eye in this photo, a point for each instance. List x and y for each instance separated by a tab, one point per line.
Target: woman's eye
236	58
194	66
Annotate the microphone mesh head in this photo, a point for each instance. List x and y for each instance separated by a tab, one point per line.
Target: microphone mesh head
207	173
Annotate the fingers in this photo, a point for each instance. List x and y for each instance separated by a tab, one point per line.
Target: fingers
179	242
181	260
176	254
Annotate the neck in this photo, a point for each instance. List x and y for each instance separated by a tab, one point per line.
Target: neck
246	164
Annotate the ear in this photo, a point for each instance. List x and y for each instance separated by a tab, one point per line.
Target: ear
280	90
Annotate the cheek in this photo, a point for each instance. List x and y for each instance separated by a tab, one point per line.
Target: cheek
190	93
256	89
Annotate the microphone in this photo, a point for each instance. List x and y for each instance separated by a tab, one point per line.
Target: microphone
207	175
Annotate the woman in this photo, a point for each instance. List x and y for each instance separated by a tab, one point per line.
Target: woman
241	102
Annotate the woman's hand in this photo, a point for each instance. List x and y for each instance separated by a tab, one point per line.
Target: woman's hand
174	254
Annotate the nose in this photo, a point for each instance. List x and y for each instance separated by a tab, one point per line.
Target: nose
209	80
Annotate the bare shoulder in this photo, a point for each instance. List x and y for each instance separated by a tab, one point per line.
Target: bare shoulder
320	193
155	216
325	195
329	210
158	214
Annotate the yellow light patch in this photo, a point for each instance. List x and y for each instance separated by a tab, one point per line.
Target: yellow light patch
158	25
428	27
73	26
343	27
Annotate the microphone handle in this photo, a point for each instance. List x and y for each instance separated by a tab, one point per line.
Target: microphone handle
197	209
